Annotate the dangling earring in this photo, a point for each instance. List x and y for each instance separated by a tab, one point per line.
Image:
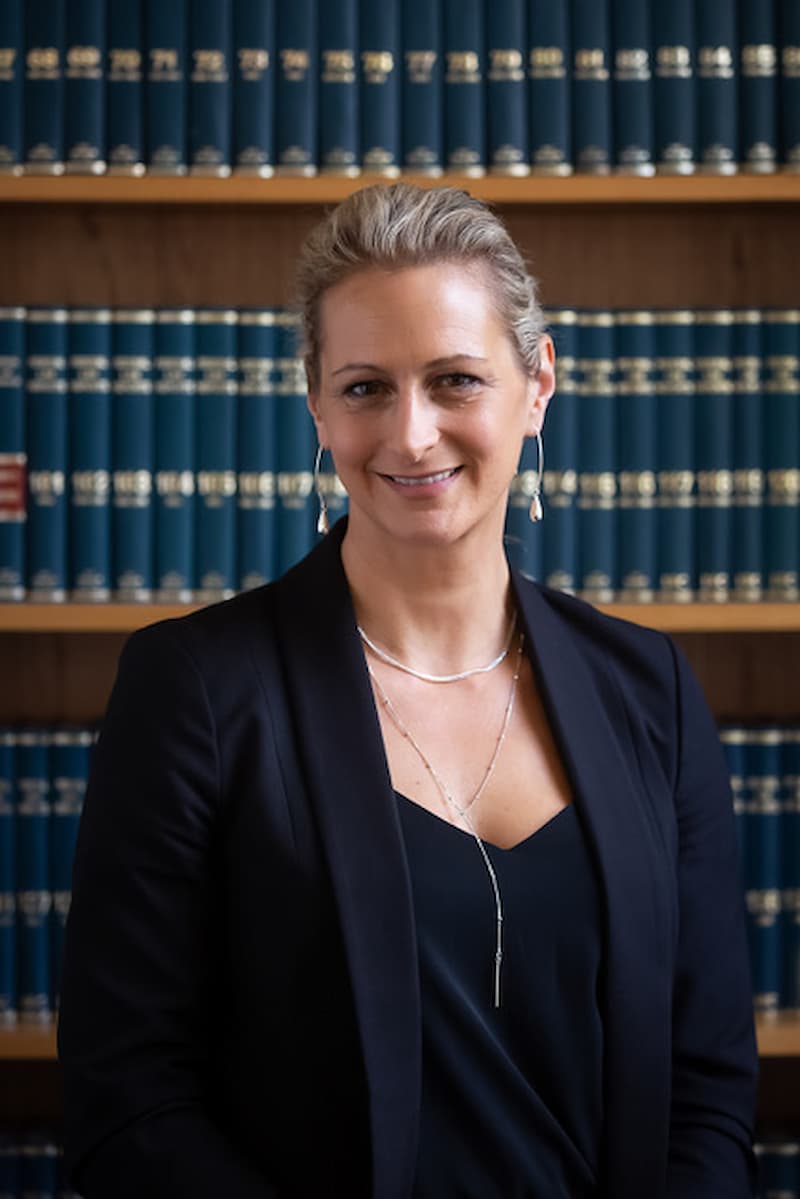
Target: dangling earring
323	524
535	512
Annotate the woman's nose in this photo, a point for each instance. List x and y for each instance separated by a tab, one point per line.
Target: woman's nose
414	423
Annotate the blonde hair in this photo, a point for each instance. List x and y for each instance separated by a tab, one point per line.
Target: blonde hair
391	226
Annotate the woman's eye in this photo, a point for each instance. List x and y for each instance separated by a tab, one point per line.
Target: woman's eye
457	380
363	389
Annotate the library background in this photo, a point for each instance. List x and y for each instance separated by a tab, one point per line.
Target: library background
160	164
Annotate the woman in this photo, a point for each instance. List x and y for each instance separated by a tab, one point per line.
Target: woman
403	875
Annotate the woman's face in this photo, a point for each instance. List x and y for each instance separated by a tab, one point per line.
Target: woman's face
423	403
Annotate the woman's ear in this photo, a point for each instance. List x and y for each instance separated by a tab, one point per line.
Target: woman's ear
541	386
312	402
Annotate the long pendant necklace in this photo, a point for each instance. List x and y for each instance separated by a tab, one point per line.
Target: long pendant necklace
462	811
439	678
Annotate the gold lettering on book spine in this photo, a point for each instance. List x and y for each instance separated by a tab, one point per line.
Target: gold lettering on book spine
546	62
419	65
338	66
294	64
673	62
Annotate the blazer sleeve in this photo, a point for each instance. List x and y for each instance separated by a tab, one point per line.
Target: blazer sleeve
714	1054
136	1016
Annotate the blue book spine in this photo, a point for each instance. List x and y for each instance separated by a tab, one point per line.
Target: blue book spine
758	86
254	87
734	741
464	99
90	454
10	1155
632	98
591	86
125	88
34	898
762	868
637	445
38	1166
43	92
296	89
506	94
676	471
174	366
13	460
790	841
781	341
84	88
69	770
747	563
789	33
8	882
339	138
132	453
11	51
778	1169
296	445
210	87
379	39
674	87
215	433
717	106
166	88
523	538
257	447
560	525
422	94
714	452
46	434
597	457
549	87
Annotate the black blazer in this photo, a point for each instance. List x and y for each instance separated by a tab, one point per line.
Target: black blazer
240	1005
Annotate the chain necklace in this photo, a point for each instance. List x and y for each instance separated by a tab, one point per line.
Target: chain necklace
462	811
439	678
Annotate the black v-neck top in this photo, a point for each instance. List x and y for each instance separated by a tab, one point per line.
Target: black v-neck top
511	1097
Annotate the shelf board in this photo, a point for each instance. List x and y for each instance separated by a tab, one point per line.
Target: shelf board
329	189
779	1035
673	618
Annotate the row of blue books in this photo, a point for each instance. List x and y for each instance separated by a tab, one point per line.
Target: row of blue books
764	764
168	454
341	86
778	1160
31	1164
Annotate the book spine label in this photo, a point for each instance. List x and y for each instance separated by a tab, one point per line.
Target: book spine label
638	461
717	106
90	454
632	99
758	86
422	124
296	443
549	87
215	531
34	899
173	369
379	40
506	94
748	474
676	473
84	87
296	89
210	87
132	454
674	87
43	92
254	87
591	86
789	34
464	99
559	531
781	333
124	88
69	769
714	452
13	459
339	139
762	865
11	56
257	448
597	456
46	395
8	882
166	88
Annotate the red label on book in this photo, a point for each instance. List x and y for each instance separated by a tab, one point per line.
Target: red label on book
12	487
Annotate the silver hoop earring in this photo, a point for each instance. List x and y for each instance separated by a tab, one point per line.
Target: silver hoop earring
323	524
536	512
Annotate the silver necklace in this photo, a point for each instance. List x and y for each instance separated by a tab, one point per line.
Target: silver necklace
438	678
462	811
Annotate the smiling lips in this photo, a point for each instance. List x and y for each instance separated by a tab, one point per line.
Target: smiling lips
423	480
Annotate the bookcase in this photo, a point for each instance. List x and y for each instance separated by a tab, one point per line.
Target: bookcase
593	242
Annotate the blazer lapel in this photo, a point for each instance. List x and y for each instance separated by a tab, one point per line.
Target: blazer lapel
350	787
589	723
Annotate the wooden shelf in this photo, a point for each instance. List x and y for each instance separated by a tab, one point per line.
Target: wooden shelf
674	618
779	1035
328	189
